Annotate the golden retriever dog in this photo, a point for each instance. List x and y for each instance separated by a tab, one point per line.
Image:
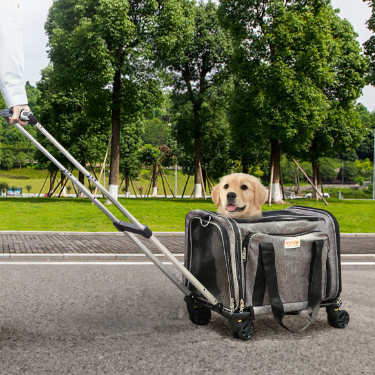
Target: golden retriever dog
239	195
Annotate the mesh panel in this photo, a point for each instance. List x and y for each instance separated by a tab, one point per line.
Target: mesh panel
208	260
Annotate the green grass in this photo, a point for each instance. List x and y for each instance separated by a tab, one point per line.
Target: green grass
36	178
159	214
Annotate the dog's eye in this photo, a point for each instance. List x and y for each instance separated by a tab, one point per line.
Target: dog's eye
226	186
243	187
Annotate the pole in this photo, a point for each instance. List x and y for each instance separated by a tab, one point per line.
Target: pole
308	179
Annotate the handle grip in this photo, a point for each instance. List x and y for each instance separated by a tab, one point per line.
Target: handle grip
24	115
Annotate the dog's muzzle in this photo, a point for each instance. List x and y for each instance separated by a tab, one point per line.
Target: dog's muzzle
231	207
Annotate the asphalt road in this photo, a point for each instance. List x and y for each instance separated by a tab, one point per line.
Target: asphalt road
116	319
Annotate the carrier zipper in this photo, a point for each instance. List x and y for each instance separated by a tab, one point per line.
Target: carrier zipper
239	264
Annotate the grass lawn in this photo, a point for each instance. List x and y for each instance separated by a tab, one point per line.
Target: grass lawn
35	178
159	214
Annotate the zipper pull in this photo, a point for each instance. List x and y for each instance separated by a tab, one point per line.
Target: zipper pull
231	306
242	305
244	254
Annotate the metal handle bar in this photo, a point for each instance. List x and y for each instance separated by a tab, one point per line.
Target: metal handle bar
120	225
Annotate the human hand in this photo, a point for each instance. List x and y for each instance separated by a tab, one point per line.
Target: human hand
16	114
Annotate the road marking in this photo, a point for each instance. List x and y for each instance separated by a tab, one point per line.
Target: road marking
82	263
358	255
79	255
119	263
358	263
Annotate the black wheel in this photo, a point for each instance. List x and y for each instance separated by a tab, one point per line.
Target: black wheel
246	330
338	319
200	316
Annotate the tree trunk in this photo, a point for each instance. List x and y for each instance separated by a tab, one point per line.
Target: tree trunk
115	143
127	186
51	182
197	172
81	179
316	179
63	185
275	160
298	183
155	180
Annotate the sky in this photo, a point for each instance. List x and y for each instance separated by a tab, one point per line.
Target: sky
33	15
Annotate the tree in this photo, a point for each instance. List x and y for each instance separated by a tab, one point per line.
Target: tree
282	54
21	159
8	159
64	113
130	164
4	187
369	45
28	188
197	71
366	148
149	156
106	47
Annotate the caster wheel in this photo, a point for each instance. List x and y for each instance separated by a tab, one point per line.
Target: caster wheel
246	330
200	316
339	319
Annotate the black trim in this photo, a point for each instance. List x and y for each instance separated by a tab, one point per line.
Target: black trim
238	254
259	282
123	226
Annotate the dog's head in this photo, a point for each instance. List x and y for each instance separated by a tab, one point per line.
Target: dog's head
239	195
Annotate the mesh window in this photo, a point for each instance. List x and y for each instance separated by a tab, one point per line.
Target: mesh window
208	260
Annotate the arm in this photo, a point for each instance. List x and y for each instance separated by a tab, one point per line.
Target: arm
11	59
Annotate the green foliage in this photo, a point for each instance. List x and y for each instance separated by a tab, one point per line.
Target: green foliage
21	159
106	49
4	186
157	133
327	169
365	168
149	155
350	172
366	148
28	188
8	159
369	45
200	93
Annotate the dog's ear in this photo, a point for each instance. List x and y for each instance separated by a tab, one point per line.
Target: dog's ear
215	195
261	194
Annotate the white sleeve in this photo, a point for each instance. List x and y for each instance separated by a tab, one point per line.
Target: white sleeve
12	85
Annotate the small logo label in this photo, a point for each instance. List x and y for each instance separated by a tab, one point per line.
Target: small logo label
291	244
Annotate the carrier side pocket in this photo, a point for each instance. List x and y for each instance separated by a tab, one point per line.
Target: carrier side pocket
267	252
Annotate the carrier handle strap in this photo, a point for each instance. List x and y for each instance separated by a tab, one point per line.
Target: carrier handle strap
315	288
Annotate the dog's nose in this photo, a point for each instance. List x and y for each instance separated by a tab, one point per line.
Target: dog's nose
231	196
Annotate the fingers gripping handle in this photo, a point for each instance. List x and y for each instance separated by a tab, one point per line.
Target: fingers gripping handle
24	115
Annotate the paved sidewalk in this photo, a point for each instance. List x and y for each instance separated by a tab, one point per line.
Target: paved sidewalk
115	243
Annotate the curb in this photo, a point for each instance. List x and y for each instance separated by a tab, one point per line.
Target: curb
164	234
168	234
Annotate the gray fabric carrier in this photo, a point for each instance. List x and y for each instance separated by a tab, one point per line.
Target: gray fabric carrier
284	261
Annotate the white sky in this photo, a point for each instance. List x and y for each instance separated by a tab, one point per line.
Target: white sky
34	14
